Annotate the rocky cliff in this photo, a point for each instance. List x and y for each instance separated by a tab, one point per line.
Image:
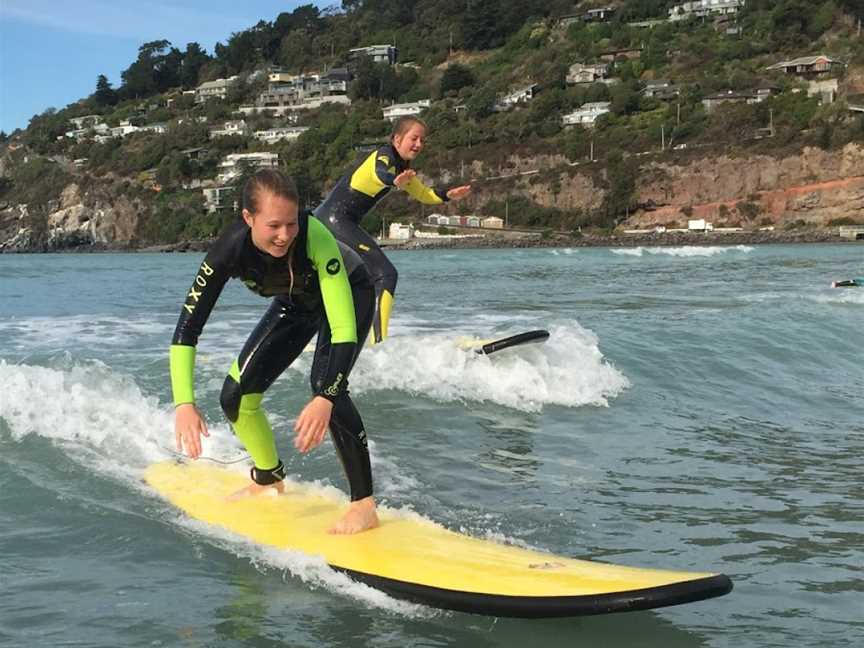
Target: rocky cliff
813	186
100	217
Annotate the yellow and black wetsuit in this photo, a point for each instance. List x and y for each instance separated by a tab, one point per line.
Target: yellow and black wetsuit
329	294
357	192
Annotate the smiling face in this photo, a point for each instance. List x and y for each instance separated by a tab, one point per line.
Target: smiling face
275	223
409	144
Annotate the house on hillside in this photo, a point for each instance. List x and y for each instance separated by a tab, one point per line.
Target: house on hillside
587	73
378	53
587	114
233	165
236	127
809	66
825	89
216	89
662	89
160	128
516	97
732	96
125	128
394	112
704	9
219	198
601	14
277	134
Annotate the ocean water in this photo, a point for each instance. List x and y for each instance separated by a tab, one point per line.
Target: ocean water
694	408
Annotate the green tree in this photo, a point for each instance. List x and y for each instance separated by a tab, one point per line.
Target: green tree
481	103
105	94
455	78
621	174
156	69
194	58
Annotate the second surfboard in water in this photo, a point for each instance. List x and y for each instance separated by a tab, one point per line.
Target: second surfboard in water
488	347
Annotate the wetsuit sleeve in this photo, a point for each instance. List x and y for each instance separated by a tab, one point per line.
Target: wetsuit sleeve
200	299
323	251
384	168
426	195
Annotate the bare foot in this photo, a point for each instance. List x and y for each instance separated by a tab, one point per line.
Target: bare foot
256	489
361	516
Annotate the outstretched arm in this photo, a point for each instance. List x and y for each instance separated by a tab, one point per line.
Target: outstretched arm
409	181
189	425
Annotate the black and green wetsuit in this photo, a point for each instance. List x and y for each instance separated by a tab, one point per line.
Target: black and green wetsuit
317	289
371	178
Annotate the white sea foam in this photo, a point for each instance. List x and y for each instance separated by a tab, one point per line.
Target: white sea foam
840	296
84	331
104	421
684	251
310	569
568	370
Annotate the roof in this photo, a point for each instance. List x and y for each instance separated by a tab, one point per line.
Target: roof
805	60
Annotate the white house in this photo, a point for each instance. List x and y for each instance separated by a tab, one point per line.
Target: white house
91	129
394	112
273	135
493	222
160	128
699	225
218	197
124	129
378	53
516	97
587	114
704	8
233	164
400	231
237	127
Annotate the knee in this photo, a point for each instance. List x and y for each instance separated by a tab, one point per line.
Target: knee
230	399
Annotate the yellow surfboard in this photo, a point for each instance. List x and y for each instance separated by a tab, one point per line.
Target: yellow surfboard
418	560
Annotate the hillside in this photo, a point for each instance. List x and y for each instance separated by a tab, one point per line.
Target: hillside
564	116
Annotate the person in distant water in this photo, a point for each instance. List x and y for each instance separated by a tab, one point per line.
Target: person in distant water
279	251
370	178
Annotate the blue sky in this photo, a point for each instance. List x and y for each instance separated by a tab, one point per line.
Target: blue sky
52	51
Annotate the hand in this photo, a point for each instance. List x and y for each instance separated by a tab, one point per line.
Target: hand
188	428
458	193
404	178
312	424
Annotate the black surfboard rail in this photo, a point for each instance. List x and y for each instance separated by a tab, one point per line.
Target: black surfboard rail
547	607
514	340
